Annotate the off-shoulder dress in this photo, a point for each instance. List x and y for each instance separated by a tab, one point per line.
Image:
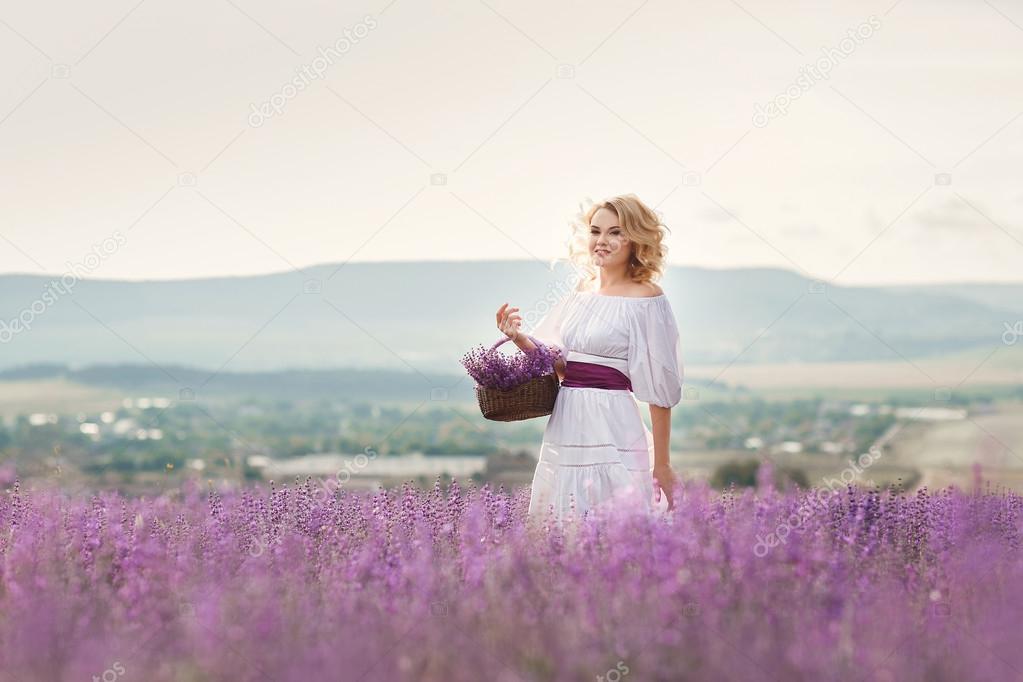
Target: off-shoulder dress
597	450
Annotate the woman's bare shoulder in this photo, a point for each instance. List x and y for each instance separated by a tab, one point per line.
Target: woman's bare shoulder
645	289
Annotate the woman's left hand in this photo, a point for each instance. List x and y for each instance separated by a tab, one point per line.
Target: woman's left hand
666	481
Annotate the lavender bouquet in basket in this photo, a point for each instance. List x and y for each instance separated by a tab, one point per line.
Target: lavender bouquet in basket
492	369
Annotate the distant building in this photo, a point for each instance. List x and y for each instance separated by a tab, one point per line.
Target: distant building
832	448
931	413
379	467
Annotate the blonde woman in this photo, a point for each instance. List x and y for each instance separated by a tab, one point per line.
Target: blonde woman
620	346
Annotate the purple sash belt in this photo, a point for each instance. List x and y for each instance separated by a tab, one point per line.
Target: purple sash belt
593	375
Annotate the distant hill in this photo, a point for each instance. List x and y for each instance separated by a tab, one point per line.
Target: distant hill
422	317
184	383
1001	296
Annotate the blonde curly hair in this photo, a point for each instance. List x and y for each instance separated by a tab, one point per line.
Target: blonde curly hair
641	226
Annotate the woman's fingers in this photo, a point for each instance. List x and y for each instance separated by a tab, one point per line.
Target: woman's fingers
508	321
667	490
503	312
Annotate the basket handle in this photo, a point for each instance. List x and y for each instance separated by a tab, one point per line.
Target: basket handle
506	338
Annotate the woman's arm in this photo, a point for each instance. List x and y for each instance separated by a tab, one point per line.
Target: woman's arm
509	322
660	420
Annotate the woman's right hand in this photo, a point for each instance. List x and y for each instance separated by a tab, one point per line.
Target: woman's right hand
509	322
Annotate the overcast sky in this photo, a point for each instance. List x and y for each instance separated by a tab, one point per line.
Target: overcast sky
134	122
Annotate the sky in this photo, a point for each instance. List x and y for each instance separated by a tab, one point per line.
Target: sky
172	140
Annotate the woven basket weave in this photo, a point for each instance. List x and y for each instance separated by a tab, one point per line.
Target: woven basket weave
532	398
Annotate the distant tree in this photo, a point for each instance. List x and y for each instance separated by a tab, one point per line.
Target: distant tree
362	410
740	473
719	442
792	475
744	474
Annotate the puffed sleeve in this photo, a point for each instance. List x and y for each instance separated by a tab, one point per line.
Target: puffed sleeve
655	353
548	329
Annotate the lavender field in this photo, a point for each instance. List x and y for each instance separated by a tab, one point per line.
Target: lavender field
456	583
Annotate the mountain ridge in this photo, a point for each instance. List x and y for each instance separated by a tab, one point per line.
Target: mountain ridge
424	315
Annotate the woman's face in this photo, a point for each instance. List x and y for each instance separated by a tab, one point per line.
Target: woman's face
608	244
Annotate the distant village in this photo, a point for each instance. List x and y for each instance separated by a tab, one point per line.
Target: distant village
151	439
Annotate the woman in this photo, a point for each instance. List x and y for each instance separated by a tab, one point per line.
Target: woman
619	344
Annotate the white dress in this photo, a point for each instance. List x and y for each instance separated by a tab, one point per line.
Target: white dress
597	452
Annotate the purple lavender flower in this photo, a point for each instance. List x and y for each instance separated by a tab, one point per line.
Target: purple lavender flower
493	369
458	583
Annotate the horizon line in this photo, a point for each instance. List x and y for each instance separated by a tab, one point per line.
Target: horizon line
441	261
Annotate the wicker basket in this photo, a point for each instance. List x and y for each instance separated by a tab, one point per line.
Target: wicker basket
532	398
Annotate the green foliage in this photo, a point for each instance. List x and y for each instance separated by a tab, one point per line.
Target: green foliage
742	474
